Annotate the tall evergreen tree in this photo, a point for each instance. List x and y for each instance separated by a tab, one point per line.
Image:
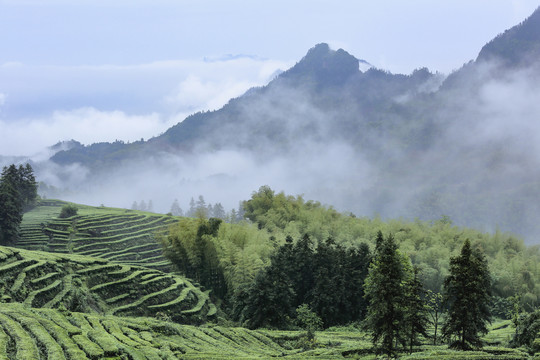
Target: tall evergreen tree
434	302
271	296
383	289
467	293
10	213
192	209
18	192
27	186
416	311
176	210
219	211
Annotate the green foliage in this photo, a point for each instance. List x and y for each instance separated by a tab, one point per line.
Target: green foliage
434	304
18	193
308	320
31	334
329	279
527	331
68	211
271	297
416	310
127	237
223	257
78	283
384	289
429	245
467	295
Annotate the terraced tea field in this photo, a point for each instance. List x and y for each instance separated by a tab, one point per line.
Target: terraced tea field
81	283
34	334
124	236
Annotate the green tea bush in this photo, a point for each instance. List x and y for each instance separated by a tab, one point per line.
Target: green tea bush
67	211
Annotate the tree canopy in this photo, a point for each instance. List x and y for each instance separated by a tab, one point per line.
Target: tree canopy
18	193
467	293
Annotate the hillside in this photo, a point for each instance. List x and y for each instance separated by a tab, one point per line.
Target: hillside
31	334
416	145
85	284
124	236
516	47
73	306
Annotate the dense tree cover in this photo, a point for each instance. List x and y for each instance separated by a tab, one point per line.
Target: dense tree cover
467	292
527	331
328	278
18	193
429	245
224	257
294	254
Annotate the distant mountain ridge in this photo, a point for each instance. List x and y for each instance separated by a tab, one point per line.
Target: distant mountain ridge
328	77
417	145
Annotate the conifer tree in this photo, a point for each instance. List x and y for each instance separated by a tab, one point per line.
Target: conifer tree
10	213
271	296
467	295
416	315
18	193
176	210
384	291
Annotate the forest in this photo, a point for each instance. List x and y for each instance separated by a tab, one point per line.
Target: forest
292	259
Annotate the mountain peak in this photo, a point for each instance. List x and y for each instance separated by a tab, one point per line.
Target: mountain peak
325	66
517	46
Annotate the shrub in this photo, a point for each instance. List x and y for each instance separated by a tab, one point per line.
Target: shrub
67	211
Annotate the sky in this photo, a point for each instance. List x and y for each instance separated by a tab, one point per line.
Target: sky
96	70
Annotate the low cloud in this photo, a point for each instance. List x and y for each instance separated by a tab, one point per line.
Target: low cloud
87	125
90	104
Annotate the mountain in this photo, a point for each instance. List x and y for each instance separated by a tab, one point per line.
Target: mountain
518	46
331	79
370	142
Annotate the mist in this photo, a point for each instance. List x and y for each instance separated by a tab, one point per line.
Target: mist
41	105
473	156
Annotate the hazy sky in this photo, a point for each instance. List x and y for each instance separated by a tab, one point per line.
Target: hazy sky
97	70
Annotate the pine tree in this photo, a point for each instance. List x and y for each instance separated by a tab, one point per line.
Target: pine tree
467	293
384	291
435	308
27	186
142	206
176	210
11	204
10	213
416	315
219	211
271	296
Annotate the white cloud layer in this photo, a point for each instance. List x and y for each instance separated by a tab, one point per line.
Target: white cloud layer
41	105
86	125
